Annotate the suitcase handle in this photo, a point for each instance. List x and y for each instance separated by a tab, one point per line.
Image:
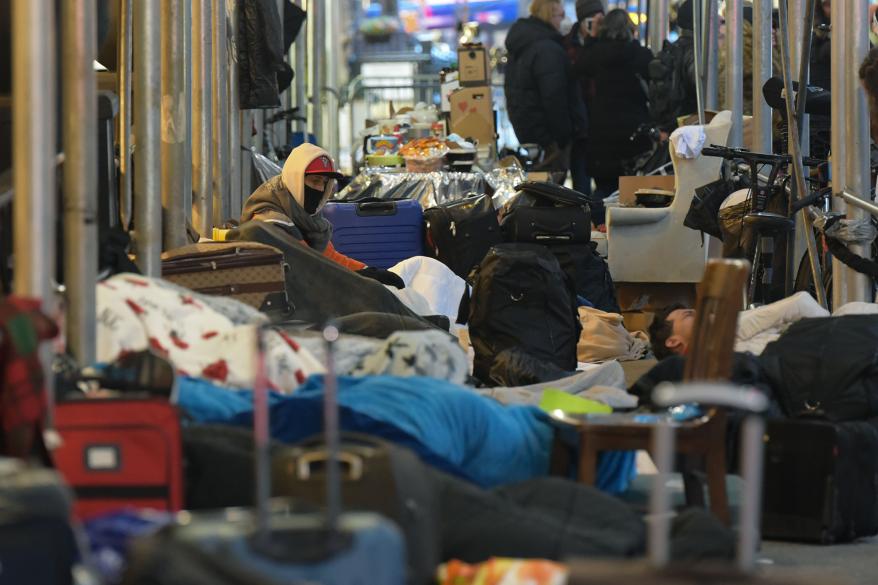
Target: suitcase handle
353	462
376	208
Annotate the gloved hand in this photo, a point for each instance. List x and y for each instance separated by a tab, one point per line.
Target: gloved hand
382	276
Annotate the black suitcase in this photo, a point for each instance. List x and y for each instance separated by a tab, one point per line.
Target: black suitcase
379	477
545	213
659	571
821	480
37	544
460	233
589	273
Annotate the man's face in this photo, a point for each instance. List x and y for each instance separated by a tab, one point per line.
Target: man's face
590	26
557	15
682	322
827	8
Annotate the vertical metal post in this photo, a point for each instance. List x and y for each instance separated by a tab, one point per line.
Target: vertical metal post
147	124
124	91
34	137
315	27
301	49
220	107
202	117
235	114
279	130
735	69
839	48
761	72
698	44
175	127
857	171
658	24
80	107
798	48
332	23
711	53
659	520
188	73
798	169
752	453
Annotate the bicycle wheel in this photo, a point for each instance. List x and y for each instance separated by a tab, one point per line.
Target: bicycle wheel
805	282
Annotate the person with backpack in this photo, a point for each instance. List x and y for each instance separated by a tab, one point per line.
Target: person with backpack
618	66
541	92
672	76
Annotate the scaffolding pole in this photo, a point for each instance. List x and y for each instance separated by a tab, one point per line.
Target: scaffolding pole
735	70
856	142
762	71
202	117
711	55
176	161
657	24
236	118
220	112
125	35
332	22
315	34
147	125
80	175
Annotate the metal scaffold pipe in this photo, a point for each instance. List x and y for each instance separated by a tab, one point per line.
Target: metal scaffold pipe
300	48
857	143
658	24
235	113
34	137
331	23
176	161
80	175
838	123
762	70
711	55
147	129
220	112
202	117
123	87
315	35
735	69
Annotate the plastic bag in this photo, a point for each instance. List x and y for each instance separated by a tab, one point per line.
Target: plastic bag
429	189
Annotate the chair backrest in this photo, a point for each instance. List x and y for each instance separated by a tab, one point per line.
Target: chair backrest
692	173
716	319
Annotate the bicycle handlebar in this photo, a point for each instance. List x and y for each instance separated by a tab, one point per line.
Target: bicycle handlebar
730	153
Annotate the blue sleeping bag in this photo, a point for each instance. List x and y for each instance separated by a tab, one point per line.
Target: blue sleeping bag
451	428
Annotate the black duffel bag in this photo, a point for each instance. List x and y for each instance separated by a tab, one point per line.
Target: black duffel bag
460	233
521	298
546	213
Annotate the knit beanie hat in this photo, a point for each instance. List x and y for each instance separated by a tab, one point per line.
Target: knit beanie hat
685	18
586	8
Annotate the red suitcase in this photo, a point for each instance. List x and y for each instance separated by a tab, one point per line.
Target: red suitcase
120	453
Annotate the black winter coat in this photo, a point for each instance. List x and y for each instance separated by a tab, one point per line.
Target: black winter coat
542	94
260	54
619	70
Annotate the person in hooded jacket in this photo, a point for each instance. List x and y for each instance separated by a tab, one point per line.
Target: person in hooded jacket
542	94
618	66
293	200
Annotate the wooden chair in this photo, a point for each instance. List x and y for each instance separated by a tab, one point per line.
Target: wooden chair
709	359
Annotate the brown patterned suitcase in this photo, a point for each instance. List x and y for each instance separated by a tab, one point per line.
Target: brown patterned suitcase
250	272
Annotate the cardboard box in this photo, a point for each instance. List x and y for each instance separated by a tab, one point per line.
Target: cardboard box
472	114
472	65
628	186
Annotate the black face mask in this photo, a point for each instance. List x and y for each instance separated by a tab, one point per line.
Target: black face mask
313	197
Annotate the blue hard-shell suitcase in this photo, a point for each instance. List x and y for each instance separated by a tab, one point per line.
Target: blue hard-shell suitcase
377	233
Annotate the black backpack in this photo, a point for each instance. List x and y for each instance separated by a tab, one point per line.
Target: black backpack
521	298
667	91
589	273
